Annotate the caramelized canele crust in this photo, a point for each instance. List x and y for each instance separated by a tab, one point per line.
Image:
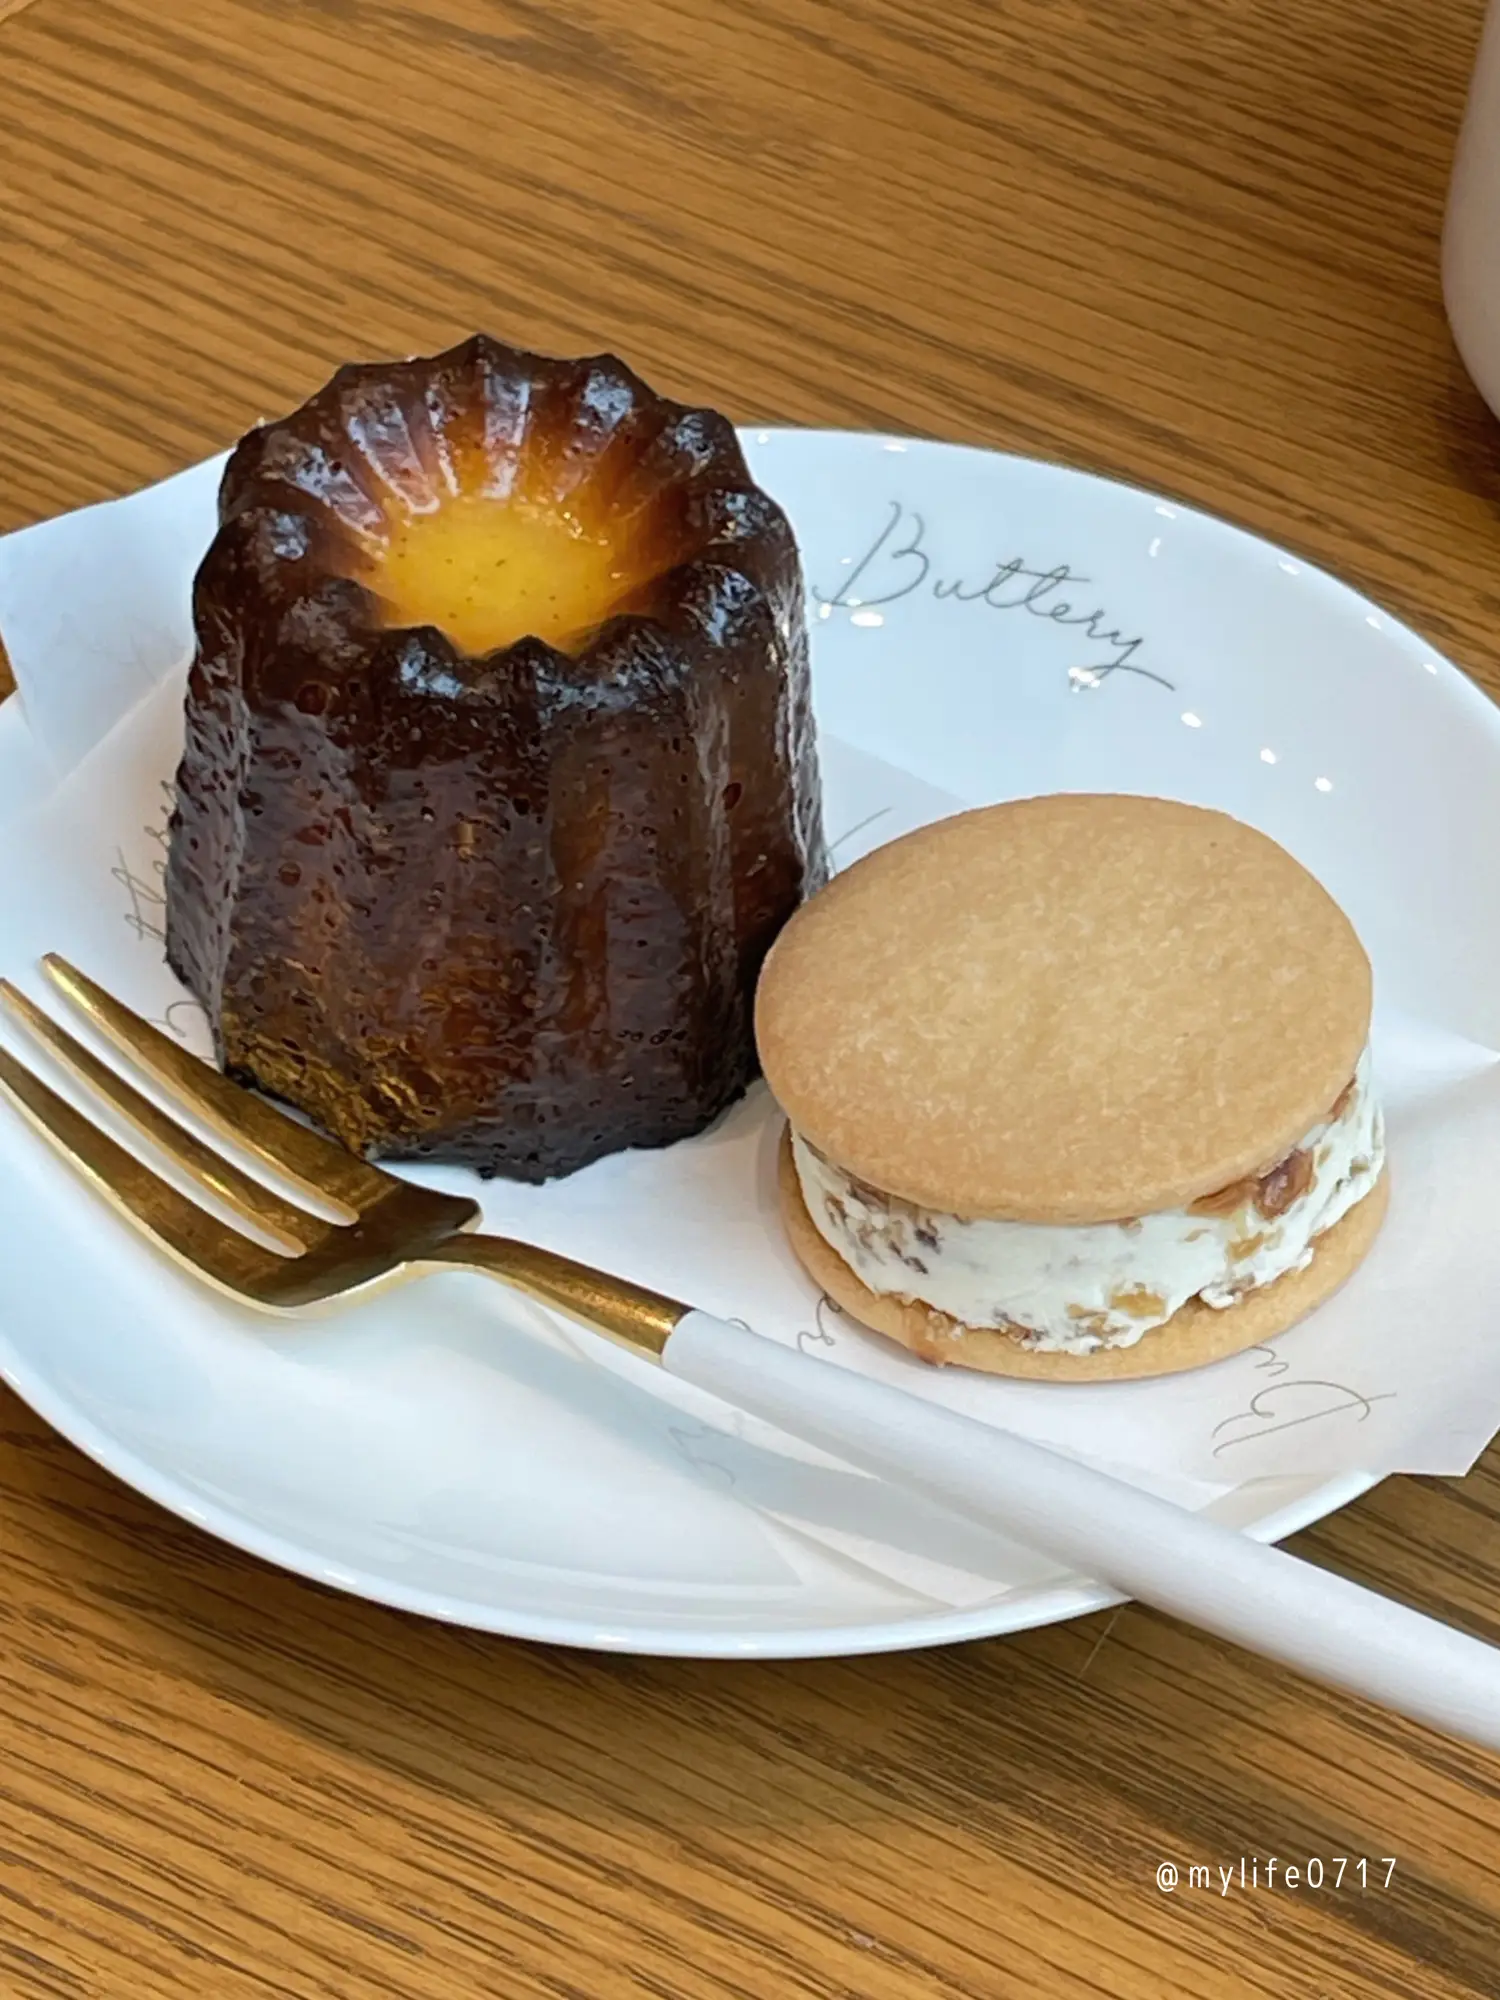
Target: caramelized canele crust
507	908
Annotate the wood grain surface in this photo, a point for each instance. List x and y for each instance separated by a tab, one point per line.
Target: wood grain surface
1194	247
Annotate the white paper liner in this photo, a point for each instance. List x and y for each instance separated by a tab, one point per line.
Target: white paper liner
1401	1372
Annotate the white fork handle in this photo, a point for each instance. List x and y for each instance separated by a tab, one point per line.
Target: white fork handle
1210	1576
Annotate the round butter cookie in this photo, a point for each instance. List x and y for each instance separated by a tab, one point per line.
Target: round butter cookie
1080	1086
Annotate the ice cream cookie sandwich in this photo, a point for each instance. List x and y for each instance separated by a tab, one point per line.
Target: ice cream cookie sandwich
1077	1087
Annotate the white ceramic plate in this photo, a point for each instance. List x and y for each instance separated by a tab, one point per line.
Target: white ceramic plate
983	627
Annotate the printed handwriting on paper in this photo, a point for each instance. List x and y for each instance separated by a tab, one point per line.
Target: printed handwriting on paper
690	1446
1289	1401
820	1334
144	883
145	886
180	1019
147	899
900	561
863	826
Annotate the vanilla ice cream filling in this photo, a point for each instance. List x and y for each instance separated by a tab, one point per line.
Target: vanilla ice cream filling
1062	1289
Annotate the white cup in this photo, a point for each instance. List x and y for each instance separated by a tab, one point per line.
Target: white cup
1471	235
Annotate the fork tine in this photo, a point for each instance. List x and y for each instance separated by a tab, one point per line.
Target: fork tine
251	1198
178	1224
321	1166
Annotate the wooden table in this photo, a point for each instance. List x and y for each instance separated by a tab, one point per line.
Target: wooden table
1194	247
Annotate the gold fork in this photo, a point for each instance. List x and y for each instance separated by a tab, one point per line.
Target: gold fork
388	1229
